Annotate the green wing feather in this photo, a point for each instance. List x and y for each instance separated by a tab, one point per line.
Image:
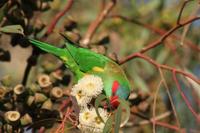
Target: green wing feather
86	58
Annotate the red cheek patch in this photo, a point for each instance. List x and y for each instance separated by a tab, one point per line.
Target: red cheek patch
115	86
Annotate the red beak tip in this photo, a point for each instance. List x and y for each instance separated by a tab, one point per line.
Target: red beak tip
114	101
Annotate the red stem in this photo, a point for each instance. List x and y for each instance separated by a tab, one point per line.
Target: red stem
153	62
167	125
184	97
97	22
157	30
59	16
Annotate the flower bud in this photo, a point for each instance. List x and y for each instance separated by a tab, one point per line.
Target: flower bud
74	36
56	92
19	89
26	119
35	88
8	105
12	117
39	98
47	105
30	100
45	83
56	75
2	92
49	66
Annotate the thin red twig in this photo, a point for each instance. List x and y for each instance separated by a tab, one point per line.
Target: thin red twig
59	16
178	22
157	30
41	130
62	125
97	22
156	122
185	98
174	70
170	97
160	40
167	125
64	104
153	62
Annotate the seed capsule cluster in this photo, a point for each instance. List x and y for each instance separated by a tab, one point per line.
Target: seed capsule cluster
22	106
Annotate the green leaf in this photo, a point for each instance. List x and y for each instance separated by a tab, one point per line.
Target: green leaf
126	113
12	29
98	103
118	119
108	125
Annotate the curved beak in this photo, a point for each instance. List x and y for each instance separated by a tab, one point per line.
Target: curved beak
114	101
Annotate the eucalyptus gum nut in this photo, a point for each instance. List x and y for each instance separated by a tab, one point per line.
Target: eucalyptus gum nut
2	92
56	92
19	89
39	98
12	117
39	25
6	80
35	87
8	105
56	75
70	24
101	49
45	83
47	105
26	119
45	6
133	95
49	66
75	37
30	100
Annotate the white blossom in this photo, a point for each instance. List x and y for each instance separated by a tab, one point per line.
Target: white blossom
91	84
90	122
80	95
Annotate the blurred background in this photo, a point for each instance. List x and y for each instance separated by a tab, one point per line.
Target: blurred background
116	38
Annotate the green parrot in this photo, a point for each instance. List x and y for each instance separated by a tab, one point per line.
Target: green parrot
83	61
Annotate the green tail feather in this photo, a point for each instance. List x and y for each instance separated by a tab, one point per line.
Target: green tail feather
49	48
63	54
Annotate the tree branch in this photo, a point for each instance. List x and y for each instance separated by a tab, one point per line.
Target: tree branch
185	98
97	22
153	62
159	41
178	22
59	16
156	30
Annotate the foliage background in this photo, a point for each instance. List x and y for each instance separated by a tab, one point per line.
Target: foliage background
126	38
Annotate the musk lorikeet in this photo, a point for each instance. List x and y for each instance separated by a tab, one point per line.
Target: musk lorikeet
83	61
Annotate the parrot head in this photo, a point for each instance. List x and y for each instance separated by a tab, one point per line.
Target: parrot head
118	91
